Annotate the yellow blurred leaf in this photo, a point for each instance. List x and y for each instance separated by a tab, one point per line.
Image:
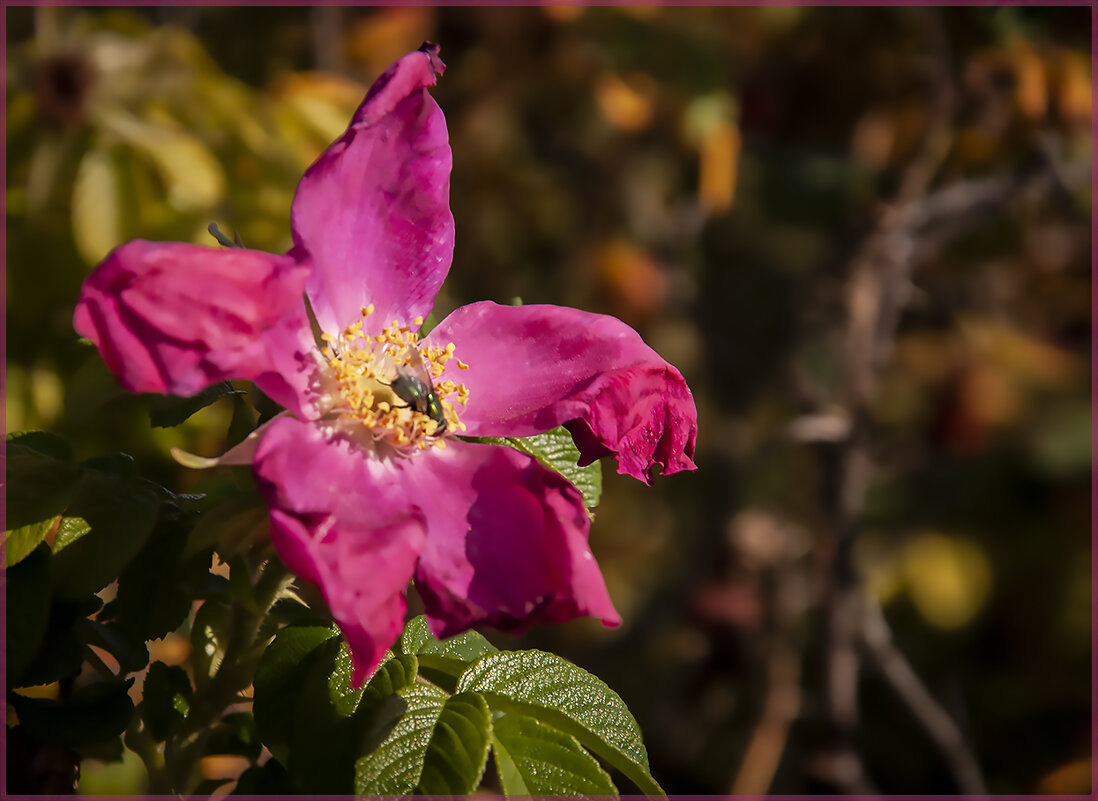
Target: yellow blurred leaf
96	206
1074	95
625	105
1025	356
1030	80
192	175
380	39
948	579
718	167
324	102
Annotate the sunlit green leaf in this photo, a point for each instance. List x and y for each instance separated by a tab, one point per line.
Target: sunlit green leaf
394	767
551	689
458	750
556	450
533	758
21	542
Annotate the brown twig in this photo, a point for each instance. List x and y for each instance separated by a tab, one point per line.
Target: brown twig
944	733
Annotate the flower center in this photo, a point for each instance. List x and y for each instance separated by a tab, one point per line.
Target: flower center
384	384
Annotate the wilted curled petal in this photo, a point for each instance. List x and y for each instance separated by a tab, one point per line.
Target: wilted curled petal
372	214
343	523
532	368
506	543
174	318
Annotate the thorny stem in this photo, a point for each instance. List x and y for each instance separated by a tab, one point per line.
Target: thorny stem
185	749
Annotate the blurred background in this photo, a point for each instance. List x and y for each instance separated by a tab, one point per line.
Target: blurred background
863	235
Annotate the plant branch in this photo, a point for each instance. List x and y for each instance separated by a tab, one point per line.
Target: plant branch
905	682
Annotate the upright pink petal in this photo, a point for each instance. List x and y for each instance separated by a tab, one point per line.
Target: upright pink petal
343	522
532	368
506	543
372	214
174	318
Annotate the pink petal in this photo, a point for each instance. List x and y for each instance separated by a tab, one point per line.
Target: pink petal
506	543
174	318
532	368
372	214
343	522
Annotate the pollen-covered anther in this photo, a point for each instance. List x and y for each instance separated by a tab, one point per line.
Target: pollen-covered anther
414	414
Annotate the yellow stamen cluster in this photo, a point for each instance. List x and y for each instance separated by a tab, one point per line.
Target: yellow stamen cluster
363	367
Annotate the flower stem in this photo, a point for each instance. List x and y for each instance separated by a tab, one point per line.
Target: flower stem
186	747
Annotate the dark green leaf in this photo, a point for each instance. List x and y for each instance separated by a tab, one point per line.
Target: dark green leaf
90	716
270	778
551	689
231	526
326	736
284	666
44	442
28	591
166	699
458	750
235	734
130	651
533	758
156	590
40	486
61	651
121	514
166	411
556	450
394	767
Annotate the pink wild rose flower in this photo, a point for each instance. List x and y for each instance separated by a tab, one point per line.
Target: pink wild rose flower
367	482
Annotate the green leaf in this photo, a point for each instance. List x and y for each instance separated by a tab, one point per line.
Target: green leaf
21	542
533	758
209	637
130	651
551	689
40	485
395	766
43	442
235	734
556	450
458	750
270	778
231	526
121	514
166	699
326	725
61	651
277	685
69	531
449	657
326	735
90	716
28	591
156	590
166	411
